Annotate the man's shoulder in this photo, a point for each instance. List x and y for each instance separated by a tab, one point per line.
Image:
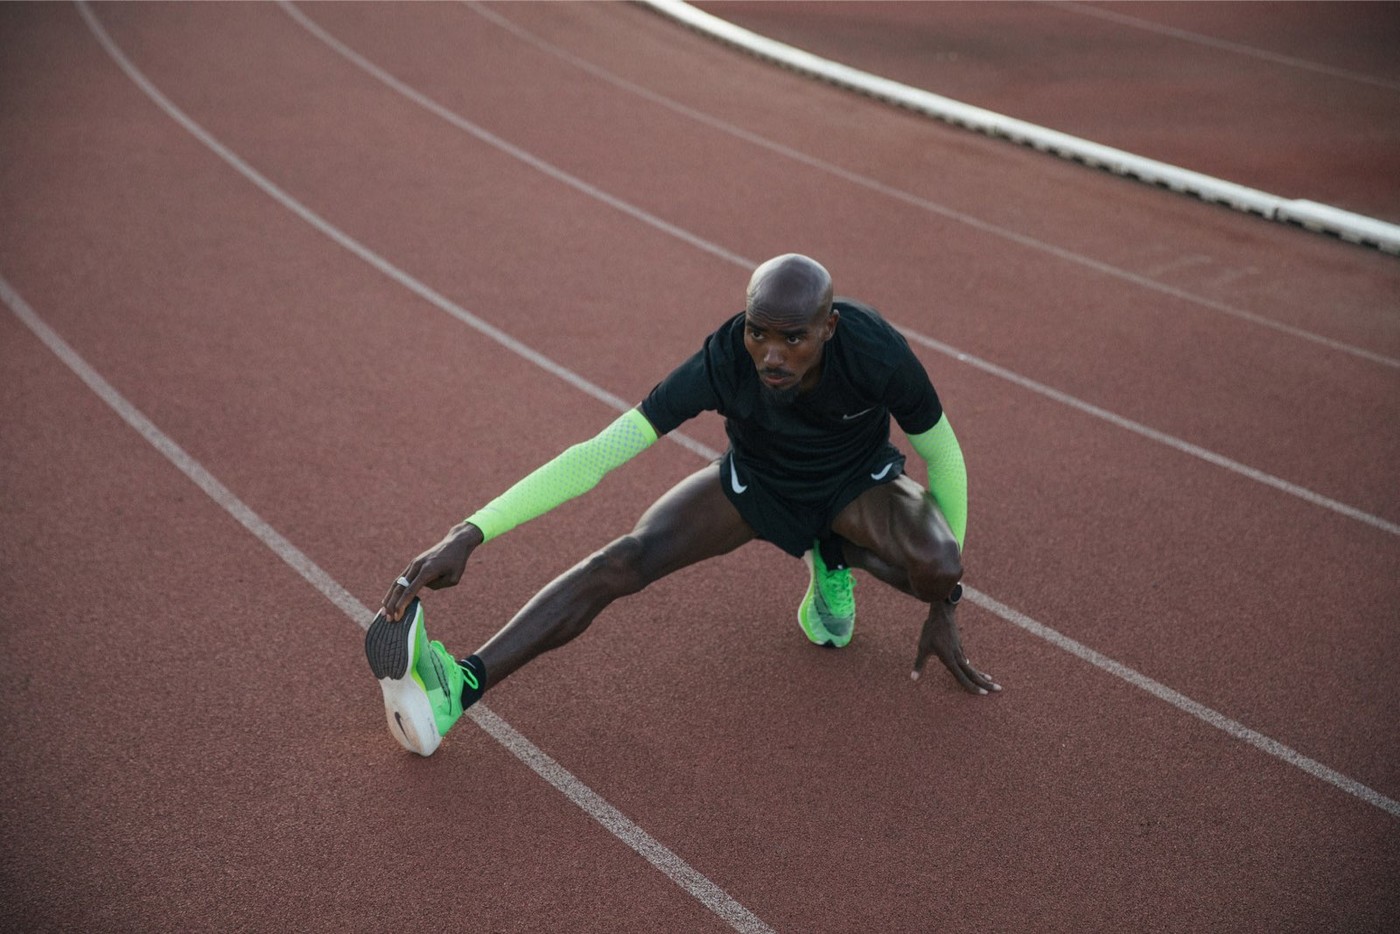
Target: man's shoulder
724	339
864	331
705	380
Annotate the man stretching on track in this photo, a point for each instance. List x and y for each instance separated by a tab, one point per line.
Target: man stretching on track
807	387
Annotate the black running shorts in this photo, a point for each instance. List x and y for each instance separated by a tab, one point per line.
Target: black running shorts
793	525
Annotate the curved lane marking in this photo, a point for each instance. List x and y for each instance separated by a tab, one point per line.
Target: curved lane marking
713	249
649	848
298	560
856	178
1238	47
614	821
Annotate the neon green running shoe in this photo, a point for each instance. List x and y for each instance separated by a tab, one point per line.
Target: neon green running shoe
420	680
828	611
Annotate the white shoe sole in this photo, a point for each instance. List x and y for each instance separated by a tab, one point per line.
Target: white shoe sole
410	715
811	588
407	710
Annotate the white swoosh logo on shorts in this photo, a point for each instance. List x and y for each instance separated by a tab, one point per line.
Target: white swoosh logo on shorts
734	478
881	474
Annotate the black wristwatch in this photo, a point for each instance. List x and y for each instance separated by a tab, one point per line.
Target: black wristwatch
954	595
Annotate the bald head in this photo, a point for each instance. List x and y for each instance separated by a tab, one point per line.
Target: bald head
791	287
787	322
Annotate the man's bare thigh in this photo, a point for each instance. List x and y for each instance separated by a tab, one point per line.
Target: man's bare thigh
692	521
898	522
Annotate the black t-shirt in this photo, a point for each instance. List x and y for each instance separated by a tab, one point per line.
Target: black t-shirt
868	374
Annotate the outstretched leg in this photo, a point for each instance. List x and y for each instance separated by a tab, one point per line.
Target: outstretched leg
897	534
691	522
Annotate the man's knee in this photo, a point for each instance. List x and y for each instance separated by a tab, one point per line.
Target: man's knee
934	567
620	567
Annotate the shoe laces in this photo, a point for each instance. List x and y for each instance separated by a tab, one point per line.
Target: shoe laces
838	591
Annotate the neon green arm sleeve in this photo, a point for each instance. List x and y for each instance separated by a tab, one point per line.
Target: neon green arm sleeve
947	474
571	474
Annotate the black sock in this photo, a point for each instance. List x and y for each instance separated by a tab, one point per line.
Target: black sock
833	555
474	684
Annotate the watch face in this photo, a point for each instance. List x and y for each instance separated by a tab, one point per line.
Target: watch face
955	594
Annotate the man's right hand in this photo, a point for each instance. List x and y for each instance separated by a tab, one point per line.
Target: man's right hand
438	567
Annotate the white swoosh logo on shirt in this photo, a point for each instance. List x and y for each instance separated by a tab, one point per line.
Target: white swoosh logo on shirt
847	418
881	474
734	478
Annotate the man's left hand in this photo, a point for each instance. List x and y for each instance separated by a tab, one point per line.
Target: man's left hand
940	637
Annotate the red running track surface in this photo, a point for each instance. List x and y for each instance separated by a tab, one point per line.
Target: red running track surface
1179	422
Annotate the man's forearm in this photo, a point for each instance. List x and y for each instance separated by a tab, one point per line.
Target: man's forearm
571	474
947	474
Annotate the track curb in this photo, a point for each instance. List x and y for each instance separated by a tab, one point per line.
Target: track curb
1309	215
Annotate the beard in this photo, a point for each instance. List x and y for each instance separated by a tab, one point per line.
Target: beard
781	398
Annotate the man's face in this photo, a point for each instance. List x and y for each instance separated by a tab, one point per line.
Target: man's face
787	350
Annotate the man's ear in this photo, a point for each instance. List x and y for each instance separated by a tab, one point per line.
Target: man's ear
830	326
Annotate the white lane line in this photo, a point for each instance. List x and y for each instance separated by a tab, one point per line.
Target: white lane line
694	240
187	465
1348	785
1161	437
1240	48
714	898
510	149
345	240
1180	701
854	178
614	821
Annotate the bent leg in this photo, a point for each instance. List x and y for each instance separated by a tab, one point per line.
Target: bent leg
902	538
691	522
897	534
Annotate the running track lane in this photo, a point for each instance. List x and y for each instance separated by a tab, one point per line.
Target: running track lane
629	736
